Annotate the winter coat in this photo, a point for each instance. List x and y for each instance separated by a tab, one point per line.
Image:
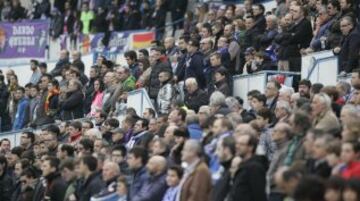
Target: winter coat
164	98
195	68
72	106
55	187
197	99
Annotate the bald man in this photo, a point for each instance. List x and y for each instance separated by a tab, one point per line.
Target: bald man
110	173
155	186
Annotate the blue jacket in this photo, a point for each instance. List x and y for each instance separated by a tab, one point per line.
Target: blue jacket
22	114
195	131
153	189
139	178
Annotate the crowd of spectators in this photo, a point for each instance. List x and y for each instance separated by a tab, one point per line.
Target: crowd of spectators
80	141
74	18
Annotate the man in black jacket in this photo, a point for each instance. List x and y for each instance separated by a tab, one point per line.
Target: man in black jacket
195	96
194	63
63	61
250	179
6	182
157	67
300	35
55	185
350	45
92	184
42	117
76	56
226	152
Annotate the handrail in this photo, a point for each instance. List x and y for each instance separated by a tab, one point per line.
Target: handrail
268	71
316	62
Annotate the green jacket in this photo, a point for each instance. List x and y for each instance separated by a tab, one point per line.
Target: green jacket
129	83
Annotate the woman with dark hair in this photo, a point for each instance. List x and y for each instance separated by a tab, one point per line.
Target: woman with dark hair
97	96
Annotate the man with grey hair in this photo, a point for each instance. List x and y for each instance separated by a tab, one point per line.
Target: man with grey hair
282	111
204	114
349	112
324	117
271	31
196	182
170	46
195	96
110	173
217	104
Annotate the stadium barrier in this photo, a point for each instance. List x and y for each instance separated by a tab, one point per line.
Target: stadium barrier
257	81
320	67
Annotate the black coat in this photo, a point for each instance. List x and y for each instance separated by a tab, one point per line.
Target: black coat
251	37
79	65
6	187
59	66
41	117
195	68
197	99
318	168
72	106
299	38
56	187
4	114
90	187
223	87
154	83
222	186
349	54
159	18
249	182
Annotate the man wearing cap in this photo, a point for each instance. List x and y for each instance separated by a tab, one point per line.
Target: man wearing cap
194	63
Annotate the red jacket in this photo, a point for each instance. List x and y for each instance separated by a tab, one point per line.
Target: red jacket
351	170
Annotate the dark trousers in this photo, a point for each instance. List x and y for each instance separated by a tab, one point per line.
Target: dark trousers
276	196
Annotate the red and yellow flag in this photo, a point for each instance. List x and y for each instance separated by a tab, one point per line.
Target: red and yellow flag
143	39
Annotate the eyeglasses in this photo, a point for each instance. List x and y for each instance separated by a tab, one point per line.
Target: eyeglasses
344	25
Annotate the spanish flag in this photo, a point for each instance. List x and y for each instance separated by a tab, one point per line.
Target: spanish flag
143	39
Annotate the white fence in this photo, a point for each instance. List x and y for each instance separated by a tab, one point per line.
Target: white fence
257	81
320	67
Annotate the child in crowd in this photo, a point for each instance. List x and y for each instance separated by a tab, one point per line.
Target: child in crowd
173	178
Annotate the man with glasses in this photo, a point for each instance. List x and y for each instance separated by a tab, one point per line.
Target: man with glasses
350	46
